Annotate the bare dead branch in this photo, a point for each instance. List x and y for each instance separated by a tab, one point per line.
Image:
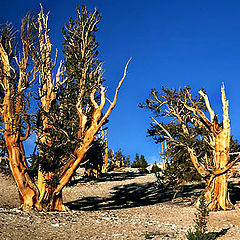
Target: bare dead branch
211	112
115	97
196	110
168	134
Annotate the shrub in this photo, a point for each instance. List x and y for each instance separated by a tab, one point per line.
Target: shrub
201	220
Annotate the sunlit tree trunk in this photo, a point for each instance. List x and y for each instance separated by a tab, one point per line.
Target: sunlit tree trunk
216	192
13	110
89	122
217	137
47	94
27	194
46	194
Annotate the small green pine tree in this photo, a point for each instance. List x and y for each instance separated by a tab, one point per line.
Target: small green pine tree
201	215
143	164
136	162
155	168
201	221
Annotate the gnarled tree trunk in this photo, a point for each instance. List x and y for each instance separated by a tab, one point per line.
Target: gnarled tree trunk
47	94
216	192
46	194
214	166
12	113
26	189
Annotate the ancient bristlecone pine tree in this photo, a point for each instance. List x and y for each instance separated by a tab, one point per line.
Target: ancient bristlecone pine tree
216	193
14	82
71	104
207	141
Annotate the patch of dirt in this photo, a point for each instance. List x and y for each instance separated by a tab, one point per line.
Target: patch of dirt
123	205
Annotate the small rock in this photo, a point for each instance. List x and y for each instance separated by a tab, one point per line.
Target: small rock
117	234
55	225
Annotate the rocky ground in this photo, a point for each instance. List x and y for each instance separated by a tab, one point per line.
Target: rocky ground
118	206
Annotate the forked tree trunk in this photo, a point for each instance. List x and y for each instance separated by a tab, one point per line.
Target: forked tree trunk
216	192
47	94
27	194
11	113
45	195
13	110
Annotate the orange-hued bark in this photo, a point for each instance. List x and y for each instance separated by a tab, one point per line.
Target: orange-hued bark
214	170
216	193
47	94
46	193
12	119
89	136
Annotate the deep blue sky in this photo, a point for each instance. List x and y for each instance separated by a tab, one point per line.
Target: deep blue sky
173	43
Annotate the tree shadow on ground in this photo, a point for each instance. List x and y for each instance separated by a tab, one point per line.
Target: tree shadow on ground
133	195
107	177
234	191
190	235
216	235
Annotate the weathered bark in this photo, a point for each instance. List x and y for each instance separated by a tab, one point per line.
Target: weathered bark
12	112
27	194
47	94
46	194
90	133
55	202
216	192
213	171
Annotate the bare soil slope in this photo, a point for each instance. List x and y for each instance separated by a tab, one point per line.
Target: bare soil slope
118	206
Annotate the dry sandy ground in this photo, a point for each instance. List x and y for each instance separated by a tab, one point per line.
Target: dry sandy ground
120	206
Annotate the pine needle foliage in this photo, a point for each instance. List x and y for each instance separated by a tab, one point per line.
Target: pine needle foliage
201	220
166	105
82	74
140	163
70	105
201	215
